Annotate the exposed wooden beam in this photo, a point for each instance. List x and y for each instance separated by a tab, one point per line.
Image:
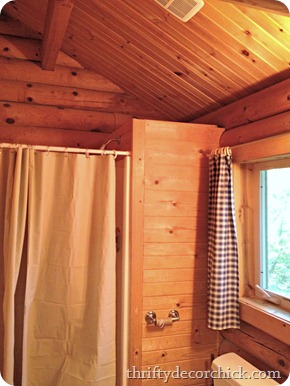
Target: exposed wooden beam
57	18
263	5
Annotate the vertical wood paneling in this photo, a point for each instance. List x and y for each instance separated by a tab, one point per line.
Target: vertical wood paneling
174	245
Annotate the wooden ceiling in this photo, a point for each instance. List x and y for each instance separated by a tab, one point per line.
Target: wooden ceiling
227	51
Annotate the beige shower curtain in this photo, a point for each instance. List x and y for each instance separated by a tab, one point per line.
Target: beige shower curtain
69	311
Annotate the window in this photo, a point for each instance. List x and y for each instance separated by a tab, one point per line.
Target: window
265	231
275	231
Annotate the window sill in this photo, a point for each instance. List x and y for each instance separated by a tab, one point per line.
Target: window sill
266	317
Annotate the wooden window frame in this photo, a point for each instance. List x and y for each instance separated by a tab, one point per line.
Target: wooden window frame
270	318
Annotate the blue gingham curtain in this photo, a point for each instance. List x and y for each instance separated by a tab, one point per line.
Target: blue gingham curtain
223	278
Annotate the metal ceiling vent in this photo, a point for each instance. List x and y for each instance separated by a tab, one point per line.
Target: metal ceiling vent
182	9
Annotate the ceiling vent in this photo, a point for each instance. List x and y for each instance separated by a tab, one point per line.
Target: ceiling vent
182	9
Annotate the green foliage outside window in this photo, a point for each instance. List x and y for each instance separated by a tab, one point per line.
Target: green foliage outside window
275	206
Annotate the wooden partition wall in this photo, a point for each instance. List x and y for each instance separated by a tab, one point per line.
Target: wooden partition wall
169	248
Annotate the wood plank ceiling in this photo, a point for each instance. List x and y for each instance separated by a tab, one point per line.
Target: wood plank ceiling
183	70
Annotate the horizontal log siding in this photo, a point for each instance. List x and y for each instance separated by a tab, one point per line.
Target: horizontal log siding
175	247
263	104
68	105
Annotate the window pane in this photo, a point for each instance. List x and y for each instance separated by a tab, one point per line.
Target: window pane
275	230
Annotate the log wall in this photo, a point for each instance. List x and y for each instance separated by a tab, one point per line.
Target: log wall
69	106
258	348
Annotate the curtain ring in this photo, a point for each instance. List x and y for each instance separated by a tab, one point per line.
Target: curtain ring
115	154
87	154
47	150
66	152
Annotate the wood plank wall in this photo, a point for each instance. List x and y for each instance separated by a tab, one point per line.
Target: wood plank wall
174	187
261	115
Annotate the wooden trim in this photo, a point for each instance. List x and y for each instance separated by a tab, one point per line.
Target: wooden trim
137	235
264	316
266	321
56	22
247	201
263	5
268	148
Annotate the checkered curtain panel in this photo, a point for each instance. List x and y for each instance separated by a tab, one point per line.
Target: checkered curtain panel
223	278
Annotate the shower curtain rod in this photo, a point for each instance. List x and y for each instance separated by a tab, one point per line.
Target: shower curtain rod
67	149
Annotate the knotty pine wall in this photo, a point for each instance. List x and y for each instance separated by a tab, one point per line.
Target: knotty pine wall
169	251
261	115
